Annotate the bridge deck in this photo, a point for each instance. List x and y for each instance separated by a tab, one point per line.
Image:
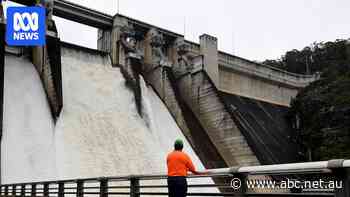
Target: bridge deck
77	13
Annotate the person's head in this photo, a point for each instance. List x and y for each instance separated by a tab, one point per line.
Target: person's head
178	145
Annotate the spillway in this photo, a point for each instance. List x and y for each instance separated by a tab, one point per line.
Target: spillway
99	131
164	128
27	147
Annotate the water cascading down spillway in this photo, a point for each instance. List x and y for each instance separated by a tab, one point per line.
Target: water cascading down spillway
112	123
103	128
99	131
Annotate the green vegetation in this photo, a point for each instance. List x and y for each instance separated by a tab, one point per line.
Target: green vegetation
317	57
320	113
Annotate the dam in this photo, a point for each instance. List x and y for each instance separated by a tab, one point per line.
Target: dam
71	112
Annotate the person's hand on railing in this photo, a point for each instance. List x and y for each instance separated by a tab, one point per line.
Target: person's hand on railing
204	172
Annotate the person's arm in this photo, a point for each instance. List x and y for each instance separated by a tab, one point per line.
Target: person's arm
191	167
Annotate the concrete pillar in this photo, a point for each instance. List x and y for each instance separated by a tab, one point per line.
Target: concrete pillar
172	51
38	58
209	49
48	4
117	51
104	40
148	49
47	61
38	52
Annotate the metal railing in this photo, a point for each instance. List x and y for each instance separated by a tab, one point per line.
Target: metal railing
155	184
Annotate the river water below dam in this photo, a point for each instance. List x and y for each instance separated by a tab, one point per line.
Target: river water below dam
99	131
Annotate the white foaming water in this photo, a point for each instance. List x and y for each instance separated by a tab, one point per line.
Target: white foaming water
27	146
165	130
99	132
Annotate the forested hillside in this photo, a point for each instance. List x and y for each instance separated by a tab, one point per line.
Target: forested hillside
320	113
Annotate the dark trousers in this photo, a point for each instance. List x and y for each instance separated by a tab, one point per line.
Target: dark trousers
177	186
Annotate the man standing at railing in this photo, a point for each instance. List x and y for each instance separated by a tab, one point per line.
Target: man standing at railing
179	163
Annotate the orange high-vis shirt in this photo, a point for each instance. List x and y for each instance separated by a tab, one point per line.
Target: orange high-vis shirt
179	163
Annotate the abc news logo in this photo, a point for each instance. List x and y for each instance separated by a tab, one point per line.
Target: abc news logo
32	25
25	26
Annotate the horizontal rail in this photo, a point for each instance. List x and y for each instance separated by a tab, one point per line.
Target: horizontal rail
305	167
134	185
229	57
82	14
77	13
290	194
321	166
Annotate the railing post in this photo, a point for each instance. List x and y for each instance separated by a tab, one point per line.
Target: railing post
60	189
14	190
342	175
46	190
80	188
23	190
238	184
134	187
6	190
33	190
103	187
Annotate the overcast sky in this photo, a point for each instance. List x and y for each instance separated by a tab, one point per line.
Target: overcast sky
253	29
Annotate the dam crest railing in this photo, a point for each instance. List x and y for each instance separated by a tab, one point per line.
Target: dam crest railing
136	185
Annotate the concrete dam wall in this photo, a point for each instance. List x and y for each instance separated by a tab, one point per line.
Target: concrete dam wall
98	132
233	130
72	112
266	128
190	79
201	95
163	80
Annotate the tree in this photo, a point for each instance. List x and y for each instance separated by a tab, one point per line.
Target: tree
315	58
320	113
